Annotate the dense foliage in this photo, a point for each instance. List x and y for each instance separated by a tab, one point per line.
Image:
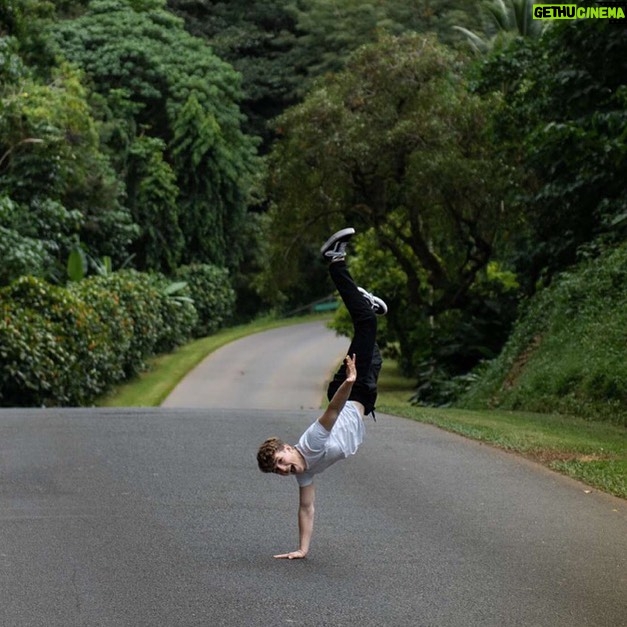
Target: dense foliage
211	292
57	348
543	369
120	144
397	144
564	116
480	154
281	47
55	182
66	346
157	81
257	39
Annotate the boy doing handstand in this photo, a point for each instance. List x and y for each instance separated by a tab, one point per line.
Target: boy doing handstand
352	394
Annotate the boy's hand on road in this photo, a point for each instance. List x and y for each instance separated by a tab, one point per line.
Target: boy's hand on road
293	555
351	369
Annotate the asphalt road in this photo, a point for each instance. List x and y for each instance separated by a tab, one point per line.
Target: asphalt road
159	517
283	368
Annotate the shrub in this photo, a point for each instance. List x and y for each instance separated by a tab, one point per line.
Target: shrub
567	351
33	362
117	325
66	346
53	346
212	293
178	313
140	299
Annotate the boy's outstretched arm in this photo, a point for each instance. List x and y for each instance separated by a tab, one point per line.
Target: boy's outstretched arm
305	523
327	420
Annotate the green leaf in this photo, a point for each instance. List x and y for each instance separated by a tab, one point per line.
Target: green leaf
175	287
76	264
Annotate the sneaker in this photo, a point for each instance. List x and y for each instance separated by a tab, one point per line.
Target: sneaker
334	248
377	304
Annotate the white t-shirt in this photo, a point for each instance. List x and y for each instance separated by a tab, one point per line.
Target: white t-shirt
321	448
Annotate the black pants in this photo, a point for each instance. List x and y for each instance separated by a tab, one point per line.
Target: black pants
363	345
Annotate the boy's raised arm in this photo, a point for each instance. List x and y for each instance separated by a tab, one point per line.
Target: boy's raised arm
327	420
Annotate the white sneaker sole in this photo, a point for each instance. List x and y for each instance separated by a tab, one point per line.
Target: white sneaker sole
344	233
379	306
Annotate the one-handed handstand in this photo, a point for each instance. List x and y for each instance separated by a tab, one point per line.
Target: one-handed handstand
352	395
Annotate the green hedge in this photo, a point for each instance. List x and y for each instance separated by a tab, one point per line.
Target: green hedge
139	298
66	346
33	363
53	346
213	295
178	313
117	329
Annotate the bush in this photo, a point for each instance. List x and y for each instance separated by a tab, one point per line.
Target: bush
33	362
567	351
117	325
66	346
140	299
178	313
212	293
53	346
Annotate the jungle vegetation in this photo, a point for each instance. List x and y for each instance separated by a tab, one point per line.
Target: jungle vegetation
195	152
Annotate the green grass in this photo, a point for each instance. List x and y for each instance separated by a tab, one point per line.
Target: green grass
164	372
566	352
592	452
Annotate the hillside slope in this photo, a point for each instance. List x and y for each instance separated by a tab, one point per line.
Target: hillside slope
568	350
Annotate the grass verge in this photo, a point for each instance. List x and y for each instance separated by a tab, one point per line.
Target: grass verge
592	452
164	372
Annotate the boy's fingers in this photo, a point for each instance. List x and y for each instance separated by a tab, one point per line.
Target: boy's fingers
290	556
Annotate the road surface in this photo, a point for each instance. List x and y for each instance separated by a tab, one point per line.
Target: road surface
285	368
159	517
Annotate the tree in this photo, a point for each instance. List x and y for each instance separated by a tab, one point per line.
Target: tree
56	182
329	32
563	117
153	194
141	52
398	144
257	39
281	47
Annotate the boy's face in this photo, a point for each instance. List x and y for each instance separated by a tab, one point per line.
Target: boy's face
288	461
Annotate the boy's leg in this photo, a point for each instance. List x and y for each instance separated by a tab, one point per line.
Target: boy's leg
362	316
363	344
